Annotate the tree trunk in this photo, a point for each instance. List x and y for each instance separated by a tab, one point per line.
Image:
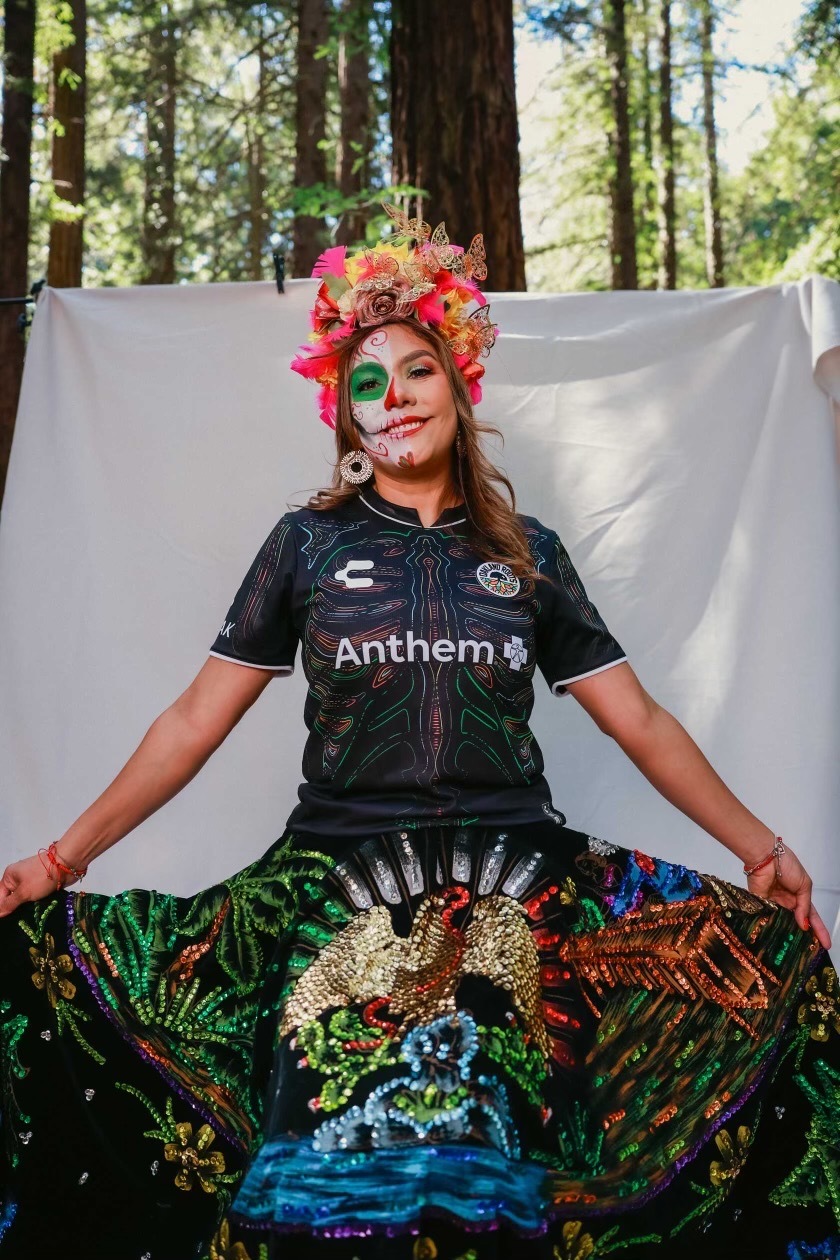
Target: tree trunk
623	220
454	124
667	207
159	234
309	235
647	92
64	268
15	174
711	198
255	140
354	98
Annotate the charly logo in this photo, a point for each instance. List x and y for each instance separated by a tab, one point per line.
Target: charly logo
498	579
353	583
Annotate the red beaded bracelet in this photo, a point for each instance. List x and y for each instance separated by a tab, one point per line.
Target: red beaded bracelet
776	852
55	868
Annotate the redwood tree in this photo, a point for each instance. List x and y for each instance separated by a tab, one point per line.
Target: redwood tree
667	207
355	107
622	219
159	233
256	121
15	173
309	231
711	198
454	123
647	105
68	152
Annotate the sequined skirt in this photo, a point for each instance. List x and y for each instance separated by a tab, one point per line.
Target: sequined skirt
433	1043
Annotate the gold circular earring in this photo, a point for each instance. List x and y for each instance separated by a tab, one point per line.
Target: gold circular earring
356	468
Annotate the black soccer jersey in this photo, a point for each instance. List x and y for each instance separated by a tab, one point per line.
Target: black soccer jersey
420	659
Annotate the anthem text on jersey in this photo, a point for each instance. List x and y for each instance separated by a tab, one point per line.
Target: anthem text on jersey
400	650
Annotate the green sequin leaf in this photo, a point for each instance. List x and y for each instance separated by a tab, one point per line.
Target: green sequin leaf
816	1177
238	952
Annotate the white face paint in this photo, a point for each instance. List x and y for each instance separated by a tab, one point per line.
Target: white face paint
400	398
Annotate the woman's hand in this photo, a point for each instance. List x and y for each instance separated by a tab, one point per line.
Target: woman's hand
26	880
792	890
668	757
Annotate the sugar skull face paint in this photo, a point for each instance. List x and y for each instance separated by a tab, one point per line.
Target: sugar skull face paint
400	398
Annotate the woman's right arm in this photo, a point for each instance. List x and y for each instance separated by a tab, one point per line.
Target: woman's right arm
172	752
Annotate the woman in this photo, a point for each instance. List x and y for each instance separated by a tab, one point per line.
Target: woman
432	1020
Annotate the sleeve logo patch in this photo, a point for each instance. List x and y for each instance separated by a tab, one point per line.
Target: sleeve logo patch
498	579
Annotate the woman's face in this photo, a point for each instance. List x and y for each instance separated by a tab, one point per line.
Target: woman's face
401	400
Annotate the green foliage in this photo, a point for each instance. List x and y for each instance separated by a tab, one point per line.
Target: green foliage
567	181
235	195
235	106
785	208
781	216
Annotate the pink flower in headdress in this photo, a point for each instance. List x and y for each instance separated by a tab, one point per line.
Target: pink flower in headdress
472	373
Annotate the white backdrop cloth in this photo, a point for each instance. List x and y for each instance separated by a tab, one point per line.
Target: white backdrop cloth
683	445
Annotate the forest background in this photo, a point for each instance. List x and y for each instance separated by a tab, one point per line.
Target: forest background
197	141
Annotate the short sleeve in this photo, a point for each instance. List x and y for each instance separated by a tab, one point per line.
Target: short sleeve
259	629
572	639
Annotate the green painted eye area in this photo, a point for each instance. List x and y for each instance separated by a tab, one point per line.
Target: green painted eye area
368	382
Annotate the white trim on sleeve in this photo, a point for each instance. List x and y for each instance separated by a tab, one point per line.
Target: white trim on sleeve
277	669
563	681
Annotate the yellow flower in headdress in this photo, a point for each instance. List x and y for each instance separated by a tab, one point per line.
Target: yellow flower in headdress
357	266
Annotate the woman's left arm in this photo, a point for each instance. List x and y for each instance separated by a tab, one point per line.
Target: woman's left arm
668	757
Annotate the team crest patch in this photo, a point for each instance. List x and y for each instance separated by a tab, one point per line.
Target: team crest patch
498	579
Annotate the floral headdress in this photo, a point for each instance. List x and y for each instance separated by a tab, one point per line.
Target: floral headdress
431	280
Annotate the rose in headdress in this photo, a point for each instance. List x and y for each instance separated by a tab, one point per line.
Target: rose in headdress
374	305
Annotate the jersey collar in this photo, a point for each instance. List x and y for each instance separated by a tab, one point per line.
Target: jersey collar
409	515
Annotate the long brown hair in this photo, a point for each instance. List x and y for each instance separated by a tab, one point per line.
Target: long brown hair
494	530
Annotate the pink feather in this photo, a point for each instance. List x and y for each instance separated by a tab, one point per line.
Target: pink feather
331	261
327	404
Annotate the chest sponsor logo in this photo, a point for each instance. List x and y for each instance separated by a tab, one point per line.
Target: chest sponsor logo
409	649
498	579
345	575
